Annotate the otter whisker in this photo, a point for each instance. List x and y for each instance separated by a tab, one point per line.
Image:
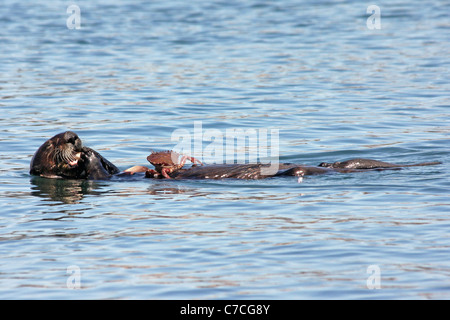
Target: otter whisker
57	155
66	155
67	158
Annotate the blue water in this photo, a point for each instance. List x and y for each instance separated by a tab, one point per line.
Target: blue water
136	71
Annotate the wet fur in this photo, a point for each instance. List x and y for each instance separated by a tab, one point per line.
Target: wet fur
53	160
54	157
370	164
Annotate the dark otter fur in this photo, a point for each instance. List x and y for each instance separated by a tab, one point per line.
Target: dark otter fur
245	171
63	156
370	164
96	166
254	171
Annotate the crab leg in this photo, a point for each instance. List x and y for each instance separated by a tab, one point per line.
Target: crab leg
164	173
191	159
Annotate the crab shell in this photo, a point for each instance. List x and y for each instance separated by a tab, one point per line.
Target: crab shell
165	159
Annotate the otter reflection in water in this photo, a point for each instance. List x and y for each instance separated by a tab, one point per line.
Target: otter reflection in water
64	156
64	191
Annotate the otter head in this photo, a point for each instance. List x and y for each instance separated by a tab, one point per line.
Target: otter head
58	156
67	149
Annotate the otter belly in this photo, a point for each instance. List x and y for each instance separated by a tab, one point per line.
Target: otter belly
245	171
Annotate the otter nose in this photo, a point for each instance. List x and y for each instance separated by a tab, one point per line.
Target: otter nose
78	144
72	137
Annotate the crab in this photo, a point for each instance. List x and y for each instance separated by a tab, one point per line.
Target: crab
166	162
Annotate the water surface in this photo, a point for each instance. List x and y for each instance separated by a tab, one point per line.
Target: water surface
137	71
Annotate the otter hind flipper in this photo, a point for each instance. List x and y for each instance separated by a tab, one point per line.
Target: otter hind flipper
370	164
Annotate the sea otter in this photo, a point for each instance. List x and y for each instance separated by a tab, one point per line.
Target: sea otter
64	156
